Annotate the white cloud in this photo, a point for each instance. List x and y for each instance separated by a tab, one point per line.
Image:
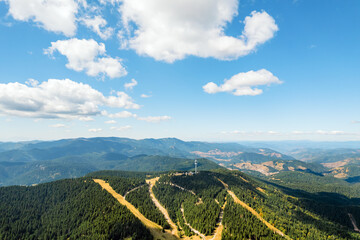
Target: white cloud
355	122
110	1
182	28
111	122
95	130
123	114
243	84
293	133
84	55
154	119
253	133
145	96
53	15
98	25
32	82
58	125
86	119
335	132
131	84
123	128
58	99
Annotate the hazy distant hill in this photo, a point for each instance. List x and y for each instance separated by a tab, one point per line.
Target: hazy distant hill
340	162
35	172
36	162
167	146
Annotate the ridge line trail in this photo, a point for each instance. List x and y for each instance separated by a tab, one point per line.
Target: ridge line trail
220	227
191	228
155	229
133	190
352	219
184	189
250	209
163	210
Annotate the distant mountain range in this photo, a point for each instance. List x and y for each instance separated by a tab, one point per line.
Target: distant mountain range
26	163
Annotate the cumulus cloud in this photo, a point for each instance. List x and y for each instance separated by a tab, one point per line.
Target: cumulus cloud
84	55
123	114
145	96
253	133
98	25
182	28
122	128
53	15
111	122
95	130
32	82
131	84
58	125
86	119
334	132
154	119
293	133
112	2
243	84
58	99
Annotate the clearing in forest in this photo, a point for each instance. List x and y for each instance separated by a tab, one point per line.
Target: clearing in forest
155	229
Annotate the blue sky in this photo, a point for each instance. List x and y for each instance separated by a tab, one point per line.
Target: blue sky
291	69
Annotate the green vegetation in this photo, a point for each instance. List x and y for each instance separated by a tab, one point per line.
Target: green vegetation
75	209
299	218
202	216
80	209
241	224
124	174
324	184
172	198
27	173
141	199
122	185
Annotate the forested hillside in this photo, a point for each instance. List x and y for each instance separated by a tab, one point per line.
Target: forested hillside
20	173
217	203
66	209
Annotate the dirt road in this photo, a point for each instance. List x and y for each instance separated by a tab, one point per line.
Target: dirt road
352	219
134	189
152	182
191	228
155	229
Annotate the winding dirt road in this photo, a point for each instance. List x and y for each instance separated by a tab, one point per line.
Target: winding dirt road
352	219
152	182
191	228
155	229
134	189
218	231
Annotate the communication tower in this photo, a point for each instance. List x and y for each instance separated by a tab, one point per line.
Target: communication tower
196	166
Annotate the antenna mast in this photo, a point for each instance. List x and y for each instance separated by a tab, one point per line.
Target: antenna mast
196	166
